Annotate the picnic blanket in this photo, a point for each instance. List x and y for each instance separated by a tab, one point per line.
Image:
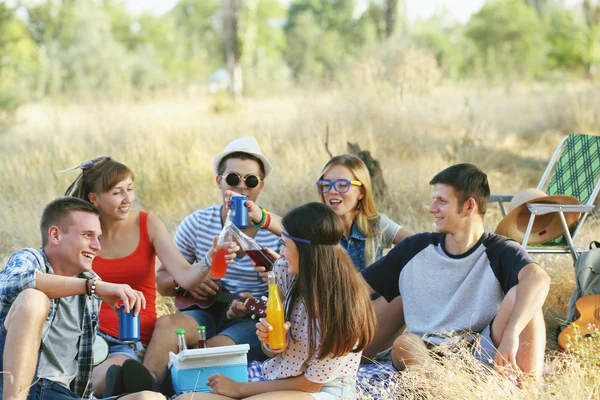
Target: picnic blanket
372	378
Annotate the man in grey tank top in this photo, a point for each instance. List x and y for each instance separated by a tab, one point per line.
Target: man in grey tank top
464	283
49	302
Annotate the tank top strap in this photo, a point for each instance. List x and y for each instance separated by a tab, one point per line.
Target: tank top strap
144	235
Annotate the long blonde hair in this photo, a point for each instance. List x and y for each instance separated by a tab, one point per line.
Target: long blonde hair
367	217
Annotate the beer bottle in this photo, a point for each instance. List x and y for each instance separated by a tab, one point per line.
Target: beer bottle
202	337
275	315
181	340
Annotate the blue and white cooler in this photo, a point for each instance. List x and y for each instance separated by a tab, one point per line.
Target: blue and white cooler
190	369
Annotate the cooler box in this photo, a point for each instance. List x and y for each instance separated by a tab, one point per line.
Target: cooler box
190	369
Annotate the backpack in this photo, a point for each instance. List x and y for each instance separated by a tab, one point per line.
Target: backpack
587	277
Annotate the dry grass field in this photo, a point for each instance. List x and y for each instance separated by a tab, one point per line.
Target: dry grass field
169	144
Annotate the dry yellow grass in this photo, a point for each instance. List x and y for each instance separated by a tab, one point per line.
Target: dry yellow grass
170	145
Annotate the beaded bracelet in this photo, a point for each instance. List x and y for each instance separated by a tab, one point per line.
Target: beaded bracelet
90	290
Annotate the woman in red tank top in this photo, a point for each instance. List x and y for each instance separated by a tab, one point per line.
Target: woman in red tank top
130	242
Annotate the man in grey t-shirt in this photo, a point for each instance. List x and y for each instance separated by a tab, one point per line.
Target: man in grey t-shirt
49	301
461	281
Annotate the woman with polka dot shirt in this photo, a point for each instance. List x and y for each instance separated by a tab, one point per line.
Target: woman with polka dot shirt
330	320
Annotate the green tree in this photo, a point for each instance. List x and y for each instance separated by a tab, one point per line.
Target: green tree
445	37
322	36
264	44
198	25
17	63
510	39
569	42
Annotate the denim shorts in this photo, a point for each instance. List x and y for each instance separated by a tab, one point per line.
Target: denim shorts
134	350
484	349
240	330
343	387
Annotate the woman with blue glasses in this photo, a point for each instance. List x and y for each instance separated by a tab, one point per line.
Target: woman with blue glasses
345	186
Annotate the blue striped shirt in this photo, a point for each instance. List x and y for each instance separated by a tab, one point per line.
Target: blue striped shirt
20	274
194	238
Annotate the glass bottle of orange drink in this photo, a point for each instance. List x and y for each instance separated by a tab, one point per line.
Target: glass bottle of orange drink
275	315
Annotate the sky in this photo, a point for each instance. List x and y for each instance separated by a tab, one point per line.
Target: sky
462	9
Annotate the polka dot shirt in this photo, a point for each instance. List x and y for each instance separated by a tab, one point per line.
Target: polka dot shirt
294	360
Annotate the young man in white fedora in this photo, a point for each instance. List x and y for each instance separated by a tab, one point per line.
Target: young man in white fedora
462	283
241	168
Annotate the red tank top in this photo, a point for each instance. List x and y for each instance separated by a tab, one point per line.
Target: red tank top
136	270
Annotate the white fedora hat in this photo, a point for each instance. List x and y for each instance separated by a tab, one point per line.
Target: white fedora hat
246	144
545	227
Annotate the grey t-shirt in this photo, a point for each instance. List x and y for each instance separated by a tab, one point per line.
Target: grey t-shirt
446	296
58	361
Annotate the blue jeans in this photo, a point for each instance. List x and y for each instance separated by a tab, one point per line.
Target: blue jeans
240	330
135	350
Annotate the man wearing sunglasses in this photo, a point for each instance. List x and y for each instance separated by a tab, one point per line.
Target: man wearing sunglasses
241	168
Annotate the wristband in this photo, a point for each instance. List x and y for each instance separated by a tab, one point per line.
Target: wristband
262	220
87	285
265	221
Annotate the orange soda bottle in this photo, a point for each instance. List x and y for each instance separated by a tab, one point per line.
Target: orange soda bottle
275	315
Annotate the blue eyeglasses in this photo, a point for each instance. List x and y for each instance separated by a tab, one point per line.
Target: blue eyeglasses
88	164
341	185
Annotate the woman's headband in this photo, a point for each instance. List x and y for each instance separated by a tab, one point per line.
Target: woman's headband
307	241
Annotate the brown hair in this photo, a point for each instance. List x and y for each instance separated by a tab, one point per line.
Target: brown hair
468	181
58	213
341	318
99	178
366	216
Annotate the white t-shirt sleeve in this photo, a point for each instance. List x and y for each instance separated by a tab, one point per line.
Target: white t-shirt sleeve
389	229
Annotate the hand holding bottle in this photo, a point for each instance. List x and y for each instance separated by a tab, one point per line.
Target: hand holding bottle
263	328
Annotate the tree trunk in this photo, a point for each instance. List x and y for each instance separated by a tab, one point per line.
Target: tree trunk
230	30
391	13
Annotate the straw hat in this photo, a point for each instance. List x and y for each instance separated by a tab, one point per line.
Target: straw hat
545	227
246	144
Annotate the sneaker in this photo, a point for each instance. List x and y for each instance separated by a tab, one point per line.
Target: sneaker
136	378
114	381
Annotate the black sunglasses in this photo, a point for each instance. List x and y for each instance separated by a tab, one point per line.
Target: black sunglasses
233	179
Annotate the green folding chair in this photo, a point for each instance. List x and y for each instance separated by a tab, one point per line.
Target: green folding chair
574	170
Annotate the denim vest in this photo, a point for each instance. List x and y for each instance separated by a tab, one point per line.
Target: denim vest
355	245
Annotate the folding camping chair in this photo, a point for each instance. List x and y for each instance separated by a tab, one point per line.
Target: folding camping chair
574	170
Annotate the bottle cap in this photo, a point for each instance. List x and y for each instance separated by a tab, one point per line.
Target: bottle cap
180	331
201	328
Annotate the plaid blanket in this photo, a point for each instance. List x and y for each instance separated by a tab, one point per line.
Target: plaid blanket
371	380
